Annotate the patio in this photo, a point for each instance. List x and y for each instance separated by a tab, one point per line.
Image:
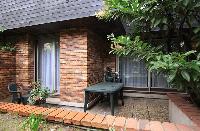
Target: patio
141	108
89	120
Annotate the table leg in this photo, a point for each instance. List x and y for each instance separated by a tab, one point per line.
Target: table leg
86	100
122	97
112	103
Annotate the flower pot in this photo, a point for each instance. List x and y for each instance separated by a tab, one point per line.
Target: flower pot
40	102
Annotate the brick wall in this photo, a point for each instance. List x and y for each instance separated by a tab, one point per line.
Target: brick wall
73	64
7	71
95	58
24	61
82	62
110	61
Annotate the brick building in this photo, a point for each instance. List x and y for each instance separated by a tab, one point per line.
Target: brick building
59	42
62	44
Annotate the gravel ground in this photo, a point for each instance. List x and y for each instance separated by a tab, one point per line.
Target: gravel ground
143	108
140	108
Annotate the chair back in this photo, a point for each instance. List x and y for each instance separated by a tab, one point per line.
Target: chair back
12	87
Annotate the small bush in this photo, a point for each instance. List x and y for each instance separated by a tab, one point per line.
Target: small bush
33	123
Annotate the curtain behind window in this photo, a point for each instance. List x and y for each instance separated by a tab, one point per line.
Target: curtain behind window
133	72
48	63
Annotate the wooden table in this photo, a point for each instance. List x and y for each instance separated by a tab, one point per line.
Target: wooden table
110	88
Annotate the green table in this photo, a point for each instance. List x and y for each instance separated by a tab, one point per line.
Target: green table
110	88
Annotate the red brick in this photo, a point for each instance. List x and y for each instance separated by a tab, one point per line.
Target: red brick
60	116
51	116
143	125
108	122
96	122
119	123
45	113
40	111
12	107
195	128
86	121
77	119
35	110
131	124
6	107
156	126
169	126
7	72
26	111
68	118
21	107
181	127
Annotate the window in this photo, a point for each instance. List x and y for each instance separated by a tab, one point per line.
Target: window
134	73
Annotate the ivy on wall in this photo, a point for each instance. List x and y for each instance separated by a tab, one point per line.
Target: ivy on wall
5	46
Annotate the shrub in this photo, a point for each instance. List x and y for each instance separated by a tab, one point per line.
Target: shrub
38	94
33	123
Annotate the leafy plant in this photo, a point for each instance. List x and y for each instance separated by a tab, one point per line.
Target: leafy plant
38	94
182	73
33	123
179	18
6	46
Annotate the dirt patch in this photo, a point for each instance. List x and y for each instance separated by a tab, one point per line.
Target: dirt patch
11	122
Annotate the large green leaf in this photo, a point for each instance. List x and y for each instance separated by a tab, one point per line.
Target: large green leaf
185	75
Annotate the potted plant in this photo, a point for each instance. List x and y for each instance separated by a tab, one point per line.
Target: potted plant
38	94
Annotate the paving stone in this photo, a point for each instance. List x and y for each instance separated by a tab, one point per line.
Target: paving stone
181	127
119	123
45	113
36	110
13	107
86	121
98	119
143	125
6	107
26	111
68	118
61	115
156	126
131	124
169	126
77	119
51	116
40	111
108	122
16	110
195	128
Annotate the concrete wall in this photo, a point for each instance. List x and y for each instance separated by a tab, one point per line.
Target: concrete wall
177	116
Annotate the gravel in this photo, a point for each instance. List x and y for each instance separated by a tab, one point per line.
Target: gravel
143	108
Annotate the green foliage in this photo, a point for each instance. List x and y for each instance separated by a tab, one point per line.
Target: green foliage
172	17
125	45
149	15
32	123
38	93
7	47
